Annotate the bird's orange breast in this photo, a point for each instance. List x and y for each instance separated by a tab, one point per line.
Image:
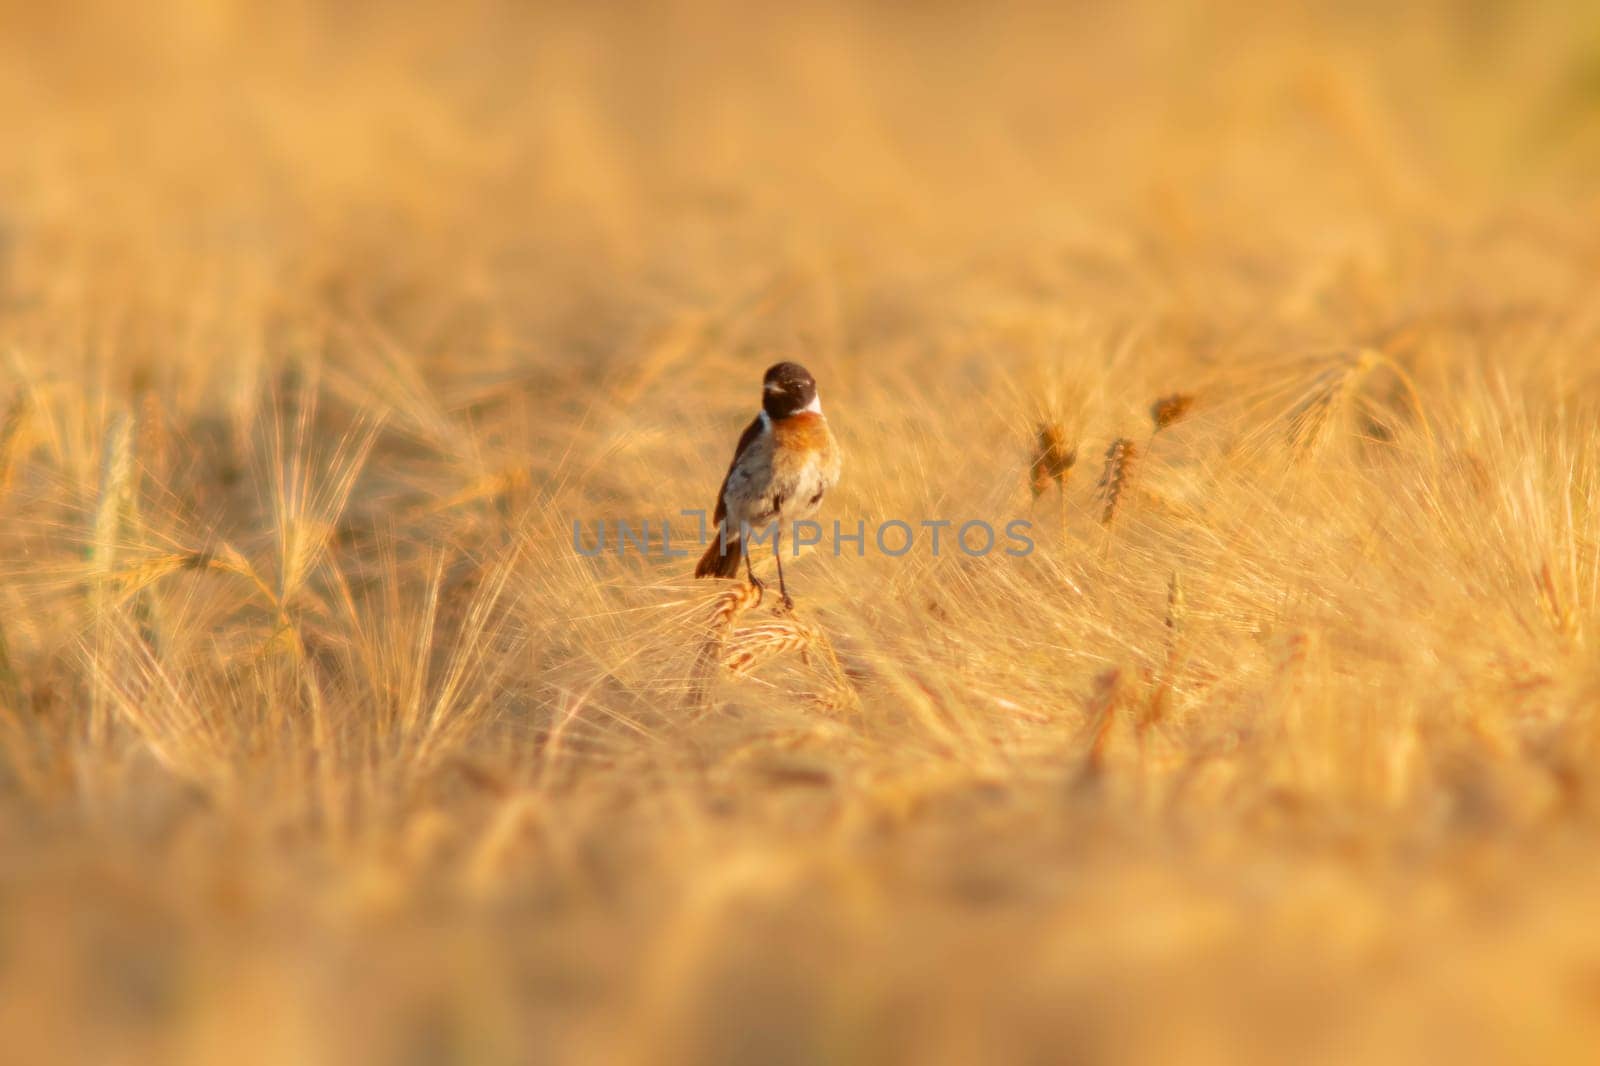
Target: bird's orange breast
804	441
806	431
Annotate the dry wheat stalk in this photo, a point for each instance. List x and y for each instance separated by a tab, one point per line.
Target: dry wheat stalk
1177	612
725	609
152	436
837	699
1052	458
741	651
507	486
754	645
12	432
1177	604
1122	459
729	605
1170	410
138	578
1313	420
1557	610
116	496
111	515
1102	708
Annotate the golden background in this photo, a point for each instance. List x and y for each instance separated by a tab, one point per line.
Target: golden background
321	324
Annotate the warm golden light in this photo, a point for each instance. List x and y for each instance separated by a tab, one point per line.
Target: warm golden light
335	337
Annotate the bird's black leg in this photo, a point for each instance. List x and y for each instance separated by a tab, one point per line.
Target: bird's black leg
755	582
777	553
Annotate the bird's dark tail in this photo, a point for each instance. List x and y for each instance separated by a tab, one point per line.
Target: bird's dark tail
720	560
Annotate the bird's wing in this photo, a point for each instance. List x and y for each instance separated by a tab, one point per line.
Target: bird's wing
747	438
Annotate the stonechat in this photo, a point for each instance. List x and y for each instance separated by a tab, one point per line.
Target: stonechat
785	462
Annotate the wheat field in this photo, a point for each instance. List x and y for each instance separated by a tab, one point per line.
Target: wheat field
322	326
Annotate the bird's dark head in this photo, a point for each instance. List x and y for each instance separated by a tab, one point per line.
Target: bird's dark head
787	389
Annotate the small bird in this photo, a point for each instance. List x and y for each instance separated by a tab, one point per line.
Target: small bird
785	462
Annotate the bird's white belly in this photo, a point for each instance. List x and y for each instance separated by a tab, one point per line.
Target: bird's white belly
793	495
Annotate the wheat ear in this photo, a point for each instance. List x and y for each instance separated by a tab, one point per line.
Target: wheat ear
1170	410
1122	460
725	610
754	645
1313	420
1053	459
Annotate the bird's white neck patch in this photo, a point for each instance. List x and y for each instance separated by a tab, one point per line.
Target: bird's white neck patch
815	406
